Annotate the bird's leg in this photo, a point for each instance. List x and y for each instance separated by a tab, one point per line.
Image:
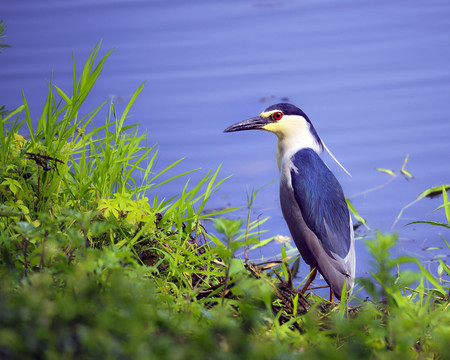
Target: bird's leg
331	295
310	280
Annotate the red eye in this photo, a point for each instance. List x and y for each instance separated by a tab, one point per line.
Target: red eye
277	116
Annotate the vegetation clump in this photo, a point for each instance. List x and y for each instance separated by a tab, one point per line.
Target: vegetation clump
93	264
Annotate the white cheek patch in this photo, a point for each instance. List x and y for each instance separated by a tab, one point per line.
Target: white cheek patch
289	126
293	134
279	127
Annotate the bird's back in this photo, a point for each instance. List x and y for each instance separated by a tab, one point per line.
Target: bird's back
316	212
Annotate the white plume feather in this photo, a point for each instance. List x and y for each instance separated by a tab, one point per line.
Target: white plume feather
329	152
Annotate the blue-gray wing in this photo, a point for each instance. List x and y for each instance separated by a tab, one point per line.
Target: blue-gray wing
322	202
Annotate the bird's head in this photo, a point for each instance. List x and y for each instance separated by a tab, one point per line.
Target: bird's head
292	126
286	121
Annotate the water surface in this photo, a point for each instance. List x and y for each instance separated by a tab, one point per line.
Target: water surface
374	79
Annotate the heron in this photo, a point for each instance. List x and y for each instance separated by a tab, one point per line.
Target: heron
312	200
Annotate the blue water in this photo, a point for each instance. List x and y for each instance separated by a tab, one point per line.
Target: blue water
374	79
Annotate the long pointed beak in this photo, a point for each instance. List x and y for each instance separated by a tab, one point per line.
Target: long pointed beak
257	122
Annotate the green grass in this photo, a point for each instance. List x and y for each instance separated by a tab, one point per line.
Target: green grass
95	265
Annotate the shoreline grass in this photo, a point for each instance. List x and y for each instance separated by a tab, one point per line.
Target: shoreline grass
94	265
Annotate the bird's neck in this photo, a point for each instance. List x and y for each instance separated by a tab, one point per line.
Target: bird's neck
287	146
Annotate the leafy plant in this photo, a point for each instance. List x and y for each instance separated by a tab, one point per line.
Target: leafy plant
94	264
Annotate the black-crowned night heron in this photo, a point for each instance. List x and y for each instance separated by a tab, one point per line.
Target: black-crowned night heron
312	199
